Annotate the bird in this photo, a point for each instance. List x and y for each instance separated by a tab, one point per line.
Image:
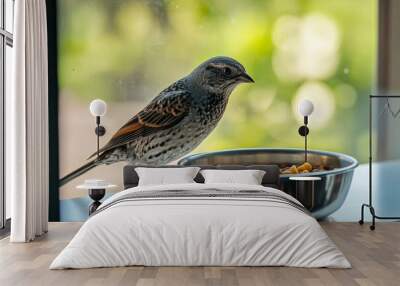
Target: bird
176	121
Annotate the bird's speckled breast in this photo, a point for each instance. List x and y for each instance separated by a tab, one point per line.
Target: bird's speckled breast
171	144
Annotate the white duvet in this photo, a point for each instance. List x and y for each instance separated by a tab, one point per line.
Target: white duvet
200	231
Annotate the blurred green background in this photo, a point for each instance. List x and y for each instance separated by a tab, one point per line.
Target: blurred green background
126	51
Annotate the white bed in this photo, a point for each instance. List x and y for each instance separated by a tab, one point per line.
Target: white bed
208	230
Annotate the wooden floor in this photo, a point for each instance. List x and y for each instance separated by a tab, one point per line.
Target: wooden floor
375	257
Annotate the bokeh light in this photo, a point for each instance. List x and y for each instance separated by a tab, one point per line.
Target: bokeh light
346	95
307	47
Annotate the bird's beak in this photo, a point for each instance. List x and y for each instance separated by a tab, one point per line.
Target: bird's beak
244	77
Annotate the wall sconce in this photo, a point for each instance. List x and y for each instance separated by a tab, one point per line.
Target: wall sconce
98	108
305	108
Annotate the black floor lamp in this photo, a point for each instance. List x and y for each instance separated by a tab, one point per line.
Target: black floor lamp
98	108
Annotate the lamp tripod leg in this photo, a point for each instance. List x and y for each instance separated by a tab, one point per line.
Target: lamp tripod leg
361	221
372	210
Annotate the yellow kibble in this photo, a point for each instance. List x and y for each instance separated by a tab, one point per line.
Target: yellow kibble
305	167
293	169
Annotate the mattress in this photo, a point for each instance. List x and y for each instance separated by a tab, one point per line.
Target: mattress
201	225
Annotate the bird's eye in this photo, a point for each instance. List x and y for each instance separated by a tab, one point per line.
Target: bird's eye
227	71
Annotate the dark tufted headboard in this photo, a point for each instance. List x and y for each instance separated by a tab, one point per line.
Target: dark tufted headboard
271	177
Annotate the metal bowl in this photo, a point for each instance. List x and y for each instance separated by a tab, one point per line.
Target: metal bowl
330	192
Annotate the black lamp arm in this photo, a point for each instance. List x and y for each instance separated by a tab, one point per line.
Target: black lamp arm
100	131
303	131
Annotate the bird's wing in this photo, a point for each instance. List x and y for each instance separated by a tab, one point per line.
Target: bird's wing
165	111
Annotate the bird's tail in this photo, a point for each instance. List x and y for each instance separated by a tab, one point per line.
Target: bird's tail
81	170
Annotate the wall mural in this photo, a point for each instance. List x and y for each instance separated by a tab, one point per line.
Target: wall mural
126	51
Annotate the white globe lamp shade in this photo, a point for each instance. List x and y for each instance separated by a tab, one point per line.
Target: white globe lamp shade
98	107
306	107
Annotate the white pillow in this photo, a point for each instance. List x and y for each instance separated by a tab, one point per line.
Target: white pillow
165	176
248	177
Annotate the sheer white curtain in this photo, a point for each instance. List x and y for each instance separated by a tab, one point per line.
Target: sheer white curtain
28	124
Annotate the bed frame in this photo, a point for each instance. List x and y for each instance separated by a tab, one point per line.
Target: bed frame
271	177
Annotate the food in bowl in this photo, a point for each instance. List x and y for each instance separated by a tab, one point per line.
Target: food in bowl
301	169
